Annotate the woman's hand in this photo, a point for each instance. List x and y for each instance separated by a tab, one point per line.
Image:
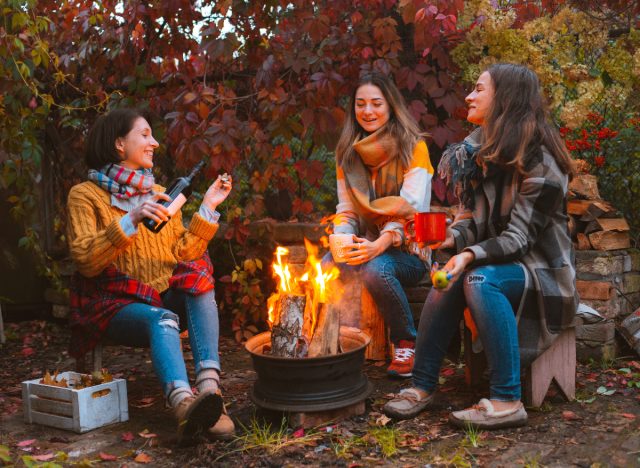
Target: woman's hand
151	209
365	250
458	263
218	191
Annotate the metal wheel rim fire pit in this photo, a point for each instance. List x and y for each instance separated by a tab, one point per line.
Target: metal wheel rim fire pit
310	384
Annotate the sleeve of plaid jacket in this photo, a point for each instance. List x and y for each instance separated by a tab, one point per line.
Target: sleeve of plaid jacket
537	201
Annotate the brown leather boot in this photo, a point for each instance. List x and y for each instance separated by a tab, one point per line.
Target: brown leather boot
224	429
196	414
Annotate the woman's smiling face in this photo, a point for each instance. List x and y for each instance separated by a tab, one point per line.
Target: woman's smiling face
480	99
137	147
371	108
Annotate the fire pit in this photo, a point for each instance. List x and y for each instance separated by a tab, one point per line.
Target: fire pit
310	384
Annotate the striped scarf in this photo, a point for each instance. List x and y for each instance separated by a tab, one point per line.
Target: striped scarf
379	161
123	183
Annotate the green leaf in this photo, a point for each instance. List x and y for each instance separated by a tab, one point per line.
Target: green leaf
602	390
5	454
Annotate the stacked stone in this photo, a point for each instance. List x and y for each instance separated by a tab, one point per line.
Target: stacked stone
609	282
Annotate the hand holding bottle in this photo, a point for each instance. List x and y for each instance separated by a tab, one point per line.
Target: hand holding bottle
151	209
218	191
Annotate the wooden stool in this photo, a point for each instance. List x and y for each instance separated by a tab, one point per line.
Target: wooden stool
358	309
558	363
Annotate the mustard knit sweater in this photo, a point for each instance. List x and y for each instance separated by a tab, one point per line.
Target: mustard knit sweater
96	239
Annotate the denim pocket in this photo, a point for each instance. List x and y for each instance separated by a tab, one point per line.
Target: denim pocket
558	295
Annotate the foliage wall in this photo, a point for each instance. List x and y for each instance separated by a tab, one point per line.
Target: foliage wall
259	88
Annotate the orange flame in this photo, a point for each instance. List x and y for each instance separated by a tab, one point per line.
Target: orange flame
282	270
314	282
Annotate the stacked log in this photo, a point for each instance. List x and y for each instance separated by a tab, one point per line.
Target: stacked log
608	269
594	223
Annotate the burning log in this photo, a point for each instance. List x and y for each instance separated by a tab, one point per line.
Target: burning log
287	332
326	337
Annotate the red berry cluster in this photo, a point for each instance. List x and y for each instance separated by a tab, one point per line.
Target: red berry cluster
586	143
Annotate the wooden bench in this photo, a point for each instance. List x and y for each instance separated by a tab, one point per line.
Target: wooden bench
558	363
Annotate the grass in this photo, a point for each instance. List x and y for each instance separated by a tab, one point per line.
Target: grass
386	438
473	435
260	435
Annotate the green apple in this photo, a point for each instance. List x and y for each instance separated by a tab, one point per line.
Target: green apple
440	279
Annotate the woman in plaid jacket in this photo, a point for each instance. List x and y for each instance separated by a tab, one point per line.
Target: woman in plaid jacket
514	264
132	286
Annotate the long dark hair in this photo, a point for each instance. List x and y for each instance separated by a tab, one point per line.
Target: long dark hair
519	122
401	125
100	147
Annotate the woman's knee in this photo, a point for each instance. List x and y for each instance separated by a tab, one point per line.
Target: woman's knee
477	283
376	272
165	320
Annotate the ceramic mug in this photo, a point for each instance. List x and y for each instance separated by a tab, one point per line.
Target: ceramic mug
338	245
427	227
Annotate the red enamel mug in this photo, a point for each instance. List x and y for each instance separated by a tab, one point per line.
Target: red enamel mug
428	227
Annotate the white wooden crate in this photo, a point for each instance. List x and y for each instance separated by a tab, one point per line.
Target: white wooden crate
75	410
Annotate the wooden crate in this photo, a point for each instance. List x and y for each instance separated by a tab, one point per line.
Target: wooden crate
75	410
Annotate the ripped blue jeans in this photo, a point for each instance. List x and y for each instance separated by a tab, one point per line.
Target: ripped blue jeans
142	325
493	293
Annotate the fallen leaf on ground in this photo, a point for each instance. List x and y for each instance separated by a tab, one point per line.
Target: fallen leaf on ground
628	415
43	457
107	457
383	420
147	435
25	443
26	352
569	416
143	458
299	433
127	437
144	402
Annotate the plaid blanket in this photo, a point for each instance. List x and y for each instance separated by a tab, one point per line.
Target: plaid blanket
95	301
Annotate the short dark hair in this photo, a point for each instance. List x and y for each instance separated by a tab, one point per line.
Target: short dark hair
100	147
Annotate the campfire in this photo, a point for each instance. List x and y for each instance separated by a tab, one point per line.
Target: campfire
302	320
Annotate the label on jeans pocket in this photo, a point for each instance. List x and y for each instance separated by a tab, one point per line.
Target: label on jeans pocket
176	204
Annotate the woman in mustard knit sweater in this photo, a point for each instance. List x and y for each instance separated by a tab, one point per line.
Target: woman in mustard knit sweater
133	286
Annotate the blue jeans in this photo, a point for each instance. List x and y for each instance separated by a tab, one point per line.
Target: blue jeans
492	293
142	325
384	277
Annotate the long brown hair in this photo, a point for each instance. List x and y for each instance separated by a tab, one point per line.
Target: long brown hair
401	125
519	122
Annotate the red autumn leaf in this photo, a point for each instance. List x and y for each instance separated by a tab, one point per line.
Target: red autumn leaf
143	458
127	437
299	433
628	415
147	435
106	457
569	416
26	352
43	457
25	443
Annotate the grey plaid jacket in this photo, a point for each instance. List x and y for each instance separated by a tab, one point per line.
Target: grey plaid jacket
524	219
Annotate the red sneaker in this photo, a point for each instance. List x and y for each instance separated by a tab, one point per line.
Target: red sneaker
402	363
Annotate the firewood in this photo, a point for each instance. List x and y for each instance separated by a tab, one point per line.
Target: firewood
583	241
607	224
326	337
610	240
585	186
599	209
287	331
578	207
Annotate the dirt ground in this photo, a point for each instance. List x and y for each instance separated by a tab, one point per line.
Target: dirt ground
600	428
